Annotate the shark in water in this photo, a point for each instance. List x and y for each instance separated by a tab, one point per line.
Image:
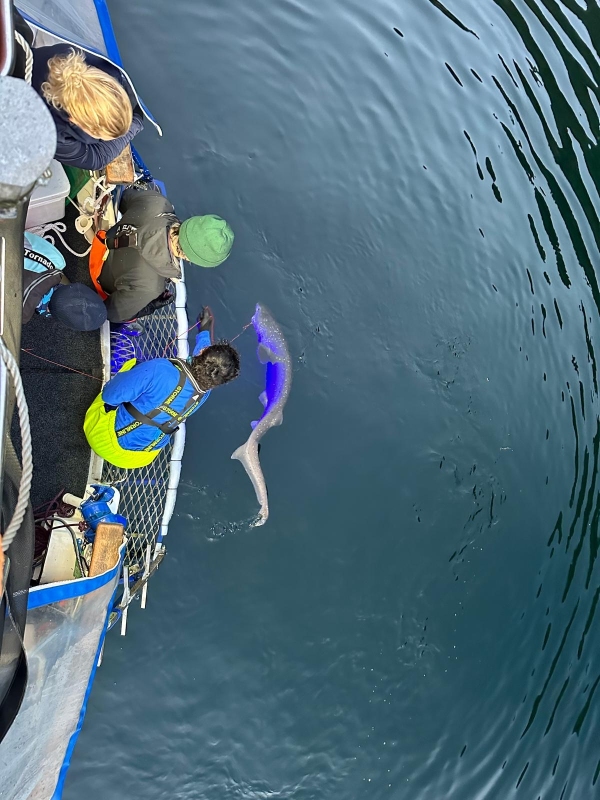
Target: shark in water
272	351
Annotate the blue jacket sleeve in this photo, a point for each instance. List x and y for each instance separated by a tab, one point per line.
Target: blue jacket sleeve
202	341
95	155
126	387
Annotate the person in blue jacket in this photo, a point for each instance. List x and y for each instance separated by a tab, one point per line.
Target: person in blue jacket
138	410
95	109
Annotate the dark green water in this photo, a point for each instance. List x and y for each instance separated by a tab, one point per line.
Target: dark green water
419	208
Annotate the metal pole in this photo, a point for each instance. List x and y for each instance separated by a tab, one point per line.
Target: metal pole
7	37
125	600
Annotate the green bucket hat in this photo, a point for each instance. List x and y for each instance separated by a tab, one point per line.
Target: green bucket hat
206	241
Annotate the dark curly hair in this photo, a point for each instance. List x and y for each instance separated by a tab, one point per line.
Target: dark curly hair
215	365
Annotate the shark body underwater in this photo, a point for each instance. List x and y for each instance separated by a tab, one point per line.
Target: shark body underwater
272	351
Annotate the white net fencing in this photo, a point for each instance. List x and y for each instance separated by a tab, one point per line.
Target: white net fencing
147	494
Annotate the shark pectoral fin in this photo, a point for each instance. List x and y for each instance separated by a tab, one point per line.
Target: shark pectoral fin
263	399
239	454
265	354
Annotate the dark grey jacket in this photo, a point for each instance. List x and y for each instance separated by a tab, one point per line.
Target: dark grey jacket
135	275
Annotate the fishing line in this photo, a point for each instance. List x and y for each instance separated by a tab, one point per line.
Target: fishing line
242	331
58	364
172	342
212	331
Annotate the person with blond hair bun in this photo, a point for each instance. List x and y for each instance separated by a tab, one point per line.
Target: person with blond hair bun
95	110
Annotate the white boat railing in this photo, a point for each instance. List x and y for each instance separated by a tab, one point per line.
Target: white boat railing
148	494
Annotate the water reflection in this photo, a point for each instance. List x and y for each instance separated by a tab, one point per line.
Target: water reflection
414	187
555	81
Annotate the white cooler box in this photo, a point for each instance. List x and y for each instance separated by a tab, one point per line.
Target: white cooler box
47	202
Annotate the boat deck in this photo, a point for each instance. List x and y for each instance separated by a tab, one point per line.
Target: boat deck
58	398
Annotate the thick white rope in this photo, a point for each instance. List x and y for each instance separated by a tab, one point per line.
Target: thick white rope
28	56
58	228
27	457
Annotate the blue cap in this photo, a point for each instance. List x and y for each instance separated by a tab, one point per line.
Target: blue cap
78	307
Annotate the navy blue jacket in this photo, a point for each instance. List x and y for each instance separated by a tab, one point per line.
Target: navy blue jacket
74	146
146	387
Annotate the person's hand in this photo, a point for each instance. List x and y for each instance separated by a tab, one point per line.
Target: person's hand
205	320
164	299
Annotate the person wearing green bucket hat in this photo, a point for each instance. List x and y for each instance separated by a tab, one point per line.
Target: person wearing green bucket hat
141	254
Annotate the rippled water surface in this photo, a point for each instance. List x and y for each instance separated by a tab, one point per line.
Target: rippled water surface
414	191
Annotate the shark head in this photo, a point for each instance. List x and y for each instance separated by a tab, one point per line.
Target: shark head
272	346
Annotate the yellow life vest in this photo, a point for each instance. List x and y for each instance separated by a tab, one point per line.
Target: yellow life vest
99	429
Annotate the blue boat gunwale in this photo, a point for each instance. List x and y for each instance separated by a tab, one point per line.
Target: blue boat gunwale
106	26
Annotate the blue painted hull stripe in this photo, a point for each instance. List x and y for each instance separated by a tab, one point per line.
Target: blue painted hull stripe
55	592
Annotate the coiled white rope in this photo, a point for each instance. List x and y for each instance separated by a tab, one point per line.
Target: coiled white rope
58	228
28	56
27	455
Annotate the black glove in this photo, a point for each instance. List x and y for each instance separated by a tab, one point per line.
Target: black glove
165	299
108	408
205	320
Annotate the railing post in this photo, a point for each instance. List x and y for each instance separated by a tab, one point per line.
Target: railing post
7	37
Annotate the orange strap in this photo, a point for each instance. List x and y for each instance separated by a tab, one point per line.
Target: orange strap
97	254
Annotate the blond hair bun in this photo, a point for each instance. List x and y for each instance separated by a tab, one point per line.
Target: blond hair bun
93	99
